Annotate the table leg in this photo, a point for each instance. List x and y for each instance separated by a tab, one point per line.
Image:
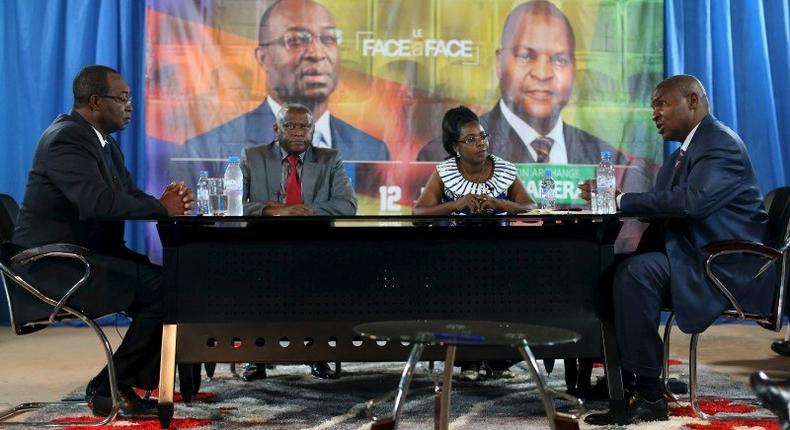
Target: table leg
443	412
614	376
540	382
391	423
167	375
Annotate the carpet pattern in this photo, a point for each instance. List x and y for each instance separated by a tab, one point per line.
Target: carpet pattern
291	399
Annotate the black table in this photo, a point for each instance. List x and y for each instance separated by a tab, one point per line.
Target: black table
286	289
452	334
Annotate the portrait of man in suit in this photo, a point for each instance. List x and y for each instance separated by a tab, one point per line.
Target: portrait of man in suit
536	67
298	49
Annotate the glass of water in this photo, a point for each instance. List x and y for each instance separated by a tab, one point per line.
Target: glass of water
217	199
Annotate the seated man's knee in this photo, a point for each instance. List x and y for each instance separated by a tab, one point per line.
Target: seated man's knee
637	272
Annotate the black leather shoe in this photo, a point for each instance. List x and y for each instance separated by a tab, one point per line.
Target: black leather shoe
254	371
775	395
781	347
320	369
639	410
131	405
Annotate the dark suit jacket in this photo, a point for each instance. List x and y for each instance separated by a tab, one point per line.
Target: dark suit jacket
714	196
255	128
582	147
73	196
326	189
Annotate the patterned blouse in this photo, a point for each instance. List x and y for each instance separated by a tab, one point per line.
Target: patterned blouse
456	186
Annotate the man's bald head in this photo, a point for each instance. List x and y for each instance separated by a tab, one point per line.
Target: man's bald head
539	8
264	33
686	85
679	104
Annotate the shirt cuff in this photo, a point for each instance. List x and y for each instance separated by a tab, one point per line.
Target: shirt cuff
617	200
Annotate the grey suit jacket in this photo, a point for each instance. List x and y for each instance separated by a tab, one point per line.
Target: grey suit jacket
326	188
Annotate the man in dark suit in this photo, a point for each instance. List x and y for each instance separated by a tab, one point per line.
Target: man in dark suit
299	51
79	192
536	66
291	177
709	190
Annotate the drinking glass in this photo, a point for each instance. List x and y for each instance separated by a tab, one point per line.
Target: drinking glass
217	199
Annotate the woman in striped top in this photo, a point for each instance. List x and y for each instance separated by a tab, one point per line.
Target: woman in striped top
471	181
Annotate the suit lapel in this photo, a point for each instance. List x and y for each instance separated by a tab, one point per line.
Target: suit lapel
310	171
274	172
505	142
682	171
96	146
578	150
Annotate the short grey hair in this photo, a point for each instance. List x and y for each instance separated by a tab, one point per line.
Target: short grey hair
293	106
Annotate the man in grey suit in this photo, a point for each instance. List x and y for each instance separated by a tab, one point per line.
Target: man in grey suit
291	177
536	67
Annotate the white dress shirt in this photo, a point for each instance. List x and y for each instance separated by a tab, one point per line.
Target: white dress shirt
558	153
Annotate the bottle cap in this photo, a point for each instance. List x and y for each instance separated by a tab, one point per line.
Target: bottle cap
547	172
233	159
203	173
606	154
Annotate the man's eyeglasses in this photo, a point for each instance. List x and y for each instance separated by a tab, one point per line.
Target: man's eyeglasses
294	126
124	100
302	39
473	139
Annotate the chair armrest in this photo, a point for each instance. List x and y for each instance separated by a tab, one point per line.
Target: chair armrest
717	249
734	246
33	254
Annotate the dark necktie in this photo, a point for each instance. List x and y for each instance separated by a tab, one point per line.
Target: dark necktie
107	154
293	189
678	160
542	146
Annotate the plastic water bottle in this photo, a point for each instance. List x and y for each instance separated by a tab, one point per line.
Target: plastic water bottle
547	191
605	183
234	183
202	194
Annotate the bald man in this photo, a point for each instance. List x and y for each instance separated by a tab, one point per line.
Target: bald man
299	50
709	190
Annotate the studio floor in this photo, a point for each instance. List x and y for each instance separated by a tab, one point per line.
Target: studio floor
51	363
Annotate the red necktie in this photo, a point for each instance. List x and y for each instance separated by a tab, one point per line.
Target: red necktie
679	159
293	188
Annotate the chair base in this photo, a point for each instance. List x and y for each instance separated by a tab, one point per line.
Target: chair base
693	397
32	406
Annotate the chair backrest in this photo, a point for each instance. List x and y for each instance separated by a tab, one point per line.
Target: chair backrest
15	296
778	205
8	212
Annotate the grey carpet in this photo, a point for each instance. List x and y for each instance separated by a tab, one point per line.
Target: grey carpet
291	399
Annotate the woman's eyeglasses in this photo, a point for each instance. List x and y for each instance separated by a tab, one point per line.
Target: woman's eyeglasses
473	139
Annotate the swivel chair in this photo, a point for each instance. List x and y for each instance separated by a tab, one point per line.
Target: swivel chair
775	252
31	310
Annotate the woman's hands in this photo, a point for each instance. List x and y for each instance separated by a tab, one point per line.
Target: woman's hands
477	203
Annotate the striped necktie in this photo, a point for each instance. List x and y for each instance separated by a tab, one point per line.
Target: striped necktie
542	146
678	160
